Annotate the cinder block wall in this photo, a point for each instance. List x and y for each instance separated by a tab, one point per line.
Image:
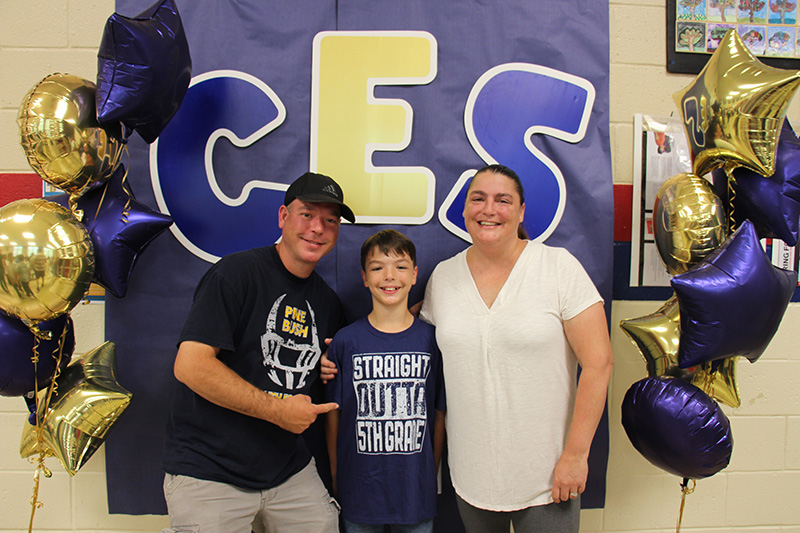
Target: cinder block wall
38	38
757	492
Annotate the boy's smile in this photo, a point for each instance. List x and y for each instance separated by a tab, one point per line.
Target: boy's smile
389	277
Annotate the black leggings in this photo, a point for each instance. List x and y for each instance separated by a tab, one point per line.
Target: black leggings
561	517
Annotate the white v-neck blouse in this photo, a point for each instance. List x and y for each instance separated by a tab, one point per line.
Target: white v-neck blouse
510	374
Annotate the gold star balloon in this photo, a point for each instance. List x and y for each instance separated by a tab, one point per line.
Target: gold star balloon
734	109
657	336
719	383
85	404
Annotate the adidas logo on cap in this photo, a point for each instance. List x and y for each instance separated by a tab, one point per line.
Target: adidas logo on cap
330	189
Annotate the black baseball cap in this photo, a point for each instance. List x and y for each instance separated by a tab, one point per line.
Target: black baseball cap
318	188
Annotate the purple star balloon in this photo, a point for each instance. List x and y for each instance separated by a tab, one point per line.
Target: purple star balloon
677	427
143	69
772	204
120	228
732	302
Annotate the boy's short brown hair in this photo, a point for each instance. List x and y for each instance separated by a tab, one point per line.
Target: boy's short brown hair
389	242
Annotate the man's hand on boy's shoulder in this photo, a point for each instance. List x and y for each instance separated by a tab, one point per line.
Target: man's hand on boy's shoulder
327	368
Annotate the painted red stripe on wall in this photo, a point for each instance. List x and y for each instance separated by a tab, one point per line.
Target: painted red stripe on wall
18	186
623	206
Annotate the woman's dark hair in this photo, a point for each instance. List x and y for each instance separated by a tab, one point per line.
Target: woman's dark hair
510	174
389	242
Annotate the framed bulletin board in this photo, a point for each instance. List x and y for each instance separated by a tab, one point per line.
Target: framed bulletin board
695	27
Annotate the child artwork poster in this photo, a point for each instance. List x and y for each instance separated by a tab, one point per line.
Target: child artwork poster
768	27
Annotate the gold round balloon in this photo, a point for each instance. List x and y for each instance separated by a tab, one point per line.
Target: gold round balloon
688	222
47	259
62	139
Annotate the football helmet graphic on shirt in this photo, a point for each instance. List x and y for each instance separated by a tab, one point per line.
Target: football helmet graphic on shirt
288	359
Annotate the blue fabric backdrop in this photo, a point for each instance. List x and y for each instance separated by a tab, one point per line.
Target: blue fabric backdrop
549	49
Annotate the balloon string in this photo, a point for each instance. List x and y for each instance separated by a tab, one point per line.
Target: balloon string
35	503
126	209
100	203
53	389
62	341
40	466
685	489
34	328
35	361
731	198
73	207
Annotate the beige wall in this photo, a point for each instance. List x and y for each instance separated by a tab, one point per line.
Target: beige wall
757	492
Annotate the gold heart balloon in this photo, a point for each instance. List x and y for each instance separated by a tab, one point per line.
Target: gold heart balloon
61	137
35	230
733	110
657	336
86	402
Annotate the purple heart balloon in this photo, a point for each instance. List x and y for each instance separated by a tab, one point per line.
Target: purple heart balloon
732	302
17	342
120	229
143	69
677	427
772	204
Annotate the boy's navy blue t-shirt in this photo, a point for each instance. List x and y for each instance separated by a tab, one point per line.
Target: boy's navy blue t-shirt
388	388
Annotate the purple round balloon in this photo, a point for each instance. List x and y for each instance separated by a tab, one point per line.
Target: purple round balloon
17	377
677	427
731	303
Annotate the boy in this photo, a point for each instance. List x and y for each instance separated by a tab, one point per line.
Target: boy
386	439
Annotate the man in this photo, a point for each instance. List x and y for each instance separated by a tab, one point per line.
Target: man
247	356
39	266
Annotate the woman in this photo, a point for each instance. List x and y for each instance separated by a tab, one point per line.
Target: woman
513	320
